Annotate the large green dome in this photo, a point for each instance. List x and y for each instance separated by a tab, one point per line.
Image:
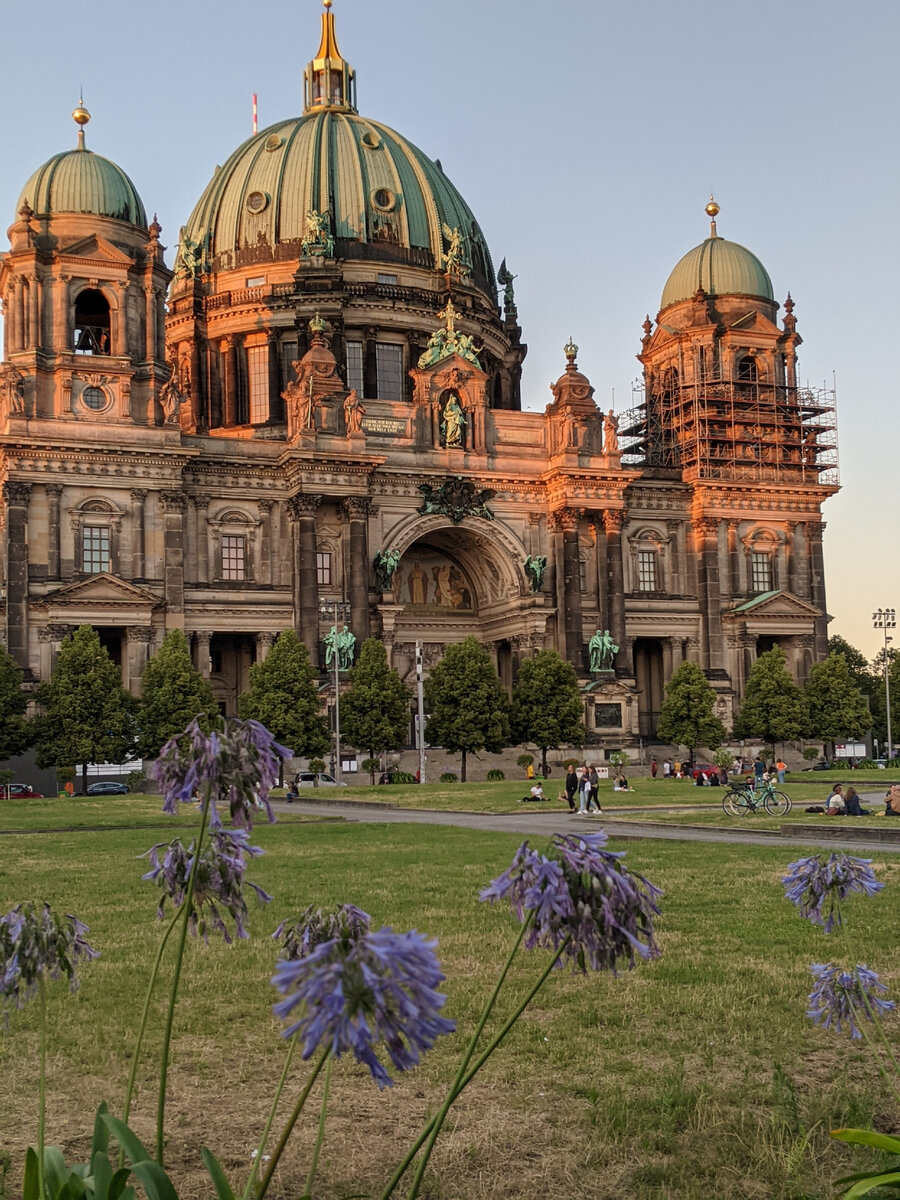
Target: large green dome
720	268
79	181
382	197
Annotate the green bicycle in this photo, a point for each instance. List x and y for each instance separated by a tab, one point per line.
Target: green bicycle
742	799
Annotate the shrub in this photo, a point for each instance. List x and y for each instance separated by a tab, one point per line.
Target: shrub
524	760
448	777
136	781
64	775
570	762
317	764
619	758
369	764
495	775
811	753
402	777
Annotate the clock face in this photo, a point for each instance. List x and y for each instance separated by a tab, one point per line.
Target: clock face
257	201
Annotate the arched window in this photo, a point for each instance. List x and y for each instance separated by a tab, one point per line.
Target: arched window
92	323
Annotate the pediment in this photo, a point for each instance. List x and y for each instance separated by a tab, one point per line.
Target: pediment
102	590
778	605
451	370
97	248
756	321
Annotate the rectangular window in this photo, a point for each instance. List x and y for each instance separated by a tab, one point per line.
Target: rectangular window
355	366
258	383
387	278
232	557
323	569
582	575
647	571
389	364
95	549
761	566
256	281
288	358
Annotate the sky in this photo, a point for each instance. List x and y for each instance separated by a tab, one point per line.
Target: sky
587	138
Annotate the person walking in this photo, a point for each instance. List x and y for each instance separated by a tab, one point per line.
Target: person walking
654	767
571	786
667	769
584	791
595	790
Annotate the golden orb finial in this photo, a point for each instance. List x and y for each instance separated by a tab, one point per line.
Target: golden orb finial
712	209
327	3
80	116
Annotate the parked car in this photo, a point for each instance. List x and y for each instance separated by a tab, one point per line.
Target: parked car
107	789
20	791
308	779
819	766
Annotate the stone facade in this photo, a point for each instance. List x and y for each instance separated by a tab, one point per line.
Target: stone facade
333	421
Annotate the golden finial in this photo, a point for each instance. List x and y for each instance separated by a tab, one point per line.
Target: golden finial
712	210
570	349
327	3
317	325
80	116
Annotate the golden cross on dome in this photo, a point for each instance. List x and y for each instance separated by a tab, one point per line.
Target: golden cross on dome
449	314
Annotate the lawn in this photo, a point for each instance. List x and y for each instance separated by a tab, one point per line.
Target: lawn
695	1076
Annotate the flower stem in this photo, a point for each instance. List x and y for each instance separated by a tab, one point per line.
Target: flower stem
873	1016
42	1086
129	1091
176	978
291	1122
862	1029
320	1137
470	1050
270	1119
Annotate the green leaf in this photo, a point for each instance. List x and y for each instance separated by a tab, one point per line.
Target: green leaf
30	1182
157	1184
217	1175
117	1188
868	1137
102	1171
867	1185
56	1174
131	1144
100	1144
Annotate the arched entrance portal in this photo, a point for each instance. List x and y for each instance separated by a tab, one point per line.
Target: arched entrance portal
454	582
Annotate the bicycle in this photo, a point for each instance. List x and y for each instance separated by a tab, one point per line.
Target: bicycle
742	799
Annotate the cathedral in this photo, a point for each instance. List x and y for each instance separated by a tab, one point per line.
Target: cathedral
315	414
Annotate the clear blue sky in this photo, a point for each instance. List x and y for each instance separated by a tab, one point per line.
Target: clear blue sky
586	137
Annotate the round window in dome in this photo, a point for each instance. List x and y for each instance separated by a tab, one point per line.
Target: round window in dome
384	199
274	142
94	398
256	202
371	139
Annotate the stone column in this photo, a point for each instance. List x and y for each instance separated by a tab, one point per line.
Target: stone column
119	331
229	367
19	310
668	650
202	638
675	585
692	650
201	532
574	632
814	531
602	567
264	643
276	404
54	493
34	313
174	504
706	534
17	496
806	656
137	652
734	559
138	551
45	658
799	556
356	511
613	520
59	339
264	575
306	587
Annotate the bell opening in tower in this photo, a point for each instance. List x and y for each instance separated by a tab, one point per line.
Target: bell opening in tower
92	323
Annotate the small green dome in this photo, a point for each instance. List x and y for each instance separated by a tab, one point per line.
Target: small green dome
382	197
79	181
721	268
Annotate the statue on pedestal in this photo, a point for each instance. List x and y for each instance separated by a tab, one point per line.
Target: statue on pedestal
611	433
535	566
385	564
603	651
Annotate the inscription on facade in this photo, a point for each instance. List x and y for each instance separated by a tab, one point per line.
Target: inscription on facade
385	426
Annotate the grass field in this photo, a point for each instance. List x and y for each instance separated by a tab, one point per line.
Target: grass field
696	1076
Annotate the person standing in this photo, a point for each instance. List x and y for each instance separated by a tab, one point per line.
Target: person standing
676	768
780	768
584	791
667	769
654	767
571	786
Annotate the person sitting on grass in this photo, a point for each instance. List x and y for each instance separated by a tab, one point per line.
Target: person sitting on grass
852	806
834	805
620	783
892	801
537	793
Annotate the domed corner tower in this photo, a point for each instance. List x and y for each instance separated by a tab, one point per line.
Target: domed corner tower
329	212
755	453
83	289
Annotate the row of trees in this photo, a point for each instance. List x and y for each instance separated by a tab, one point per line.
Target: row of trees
830	707
84	715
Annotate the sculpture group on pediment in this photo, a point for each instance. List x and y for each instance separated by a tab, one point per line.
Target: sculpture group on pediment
456	498
317	240
447	340
452	259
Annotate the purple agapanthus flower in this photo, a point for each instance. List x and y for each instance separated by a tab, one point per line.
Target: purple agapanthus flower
301	935
841	997
237	765
581	894
220	883
34	942
817	885
352	994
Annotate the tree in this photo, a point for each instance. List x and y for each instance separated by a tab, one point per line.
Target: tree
173	693
837	707
686	717
14	730
546	704
773	708
283	697
375	711
86	715
468	707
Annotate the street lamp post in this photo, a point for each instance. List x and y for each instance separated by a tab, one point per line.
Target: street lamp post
885	619
335	610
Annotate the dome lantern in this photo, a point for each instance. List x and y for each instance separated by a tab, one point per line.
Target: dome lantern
329	82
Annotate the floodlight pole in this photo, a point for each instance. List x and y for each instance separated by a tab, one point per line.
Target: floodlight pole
420	723
885	619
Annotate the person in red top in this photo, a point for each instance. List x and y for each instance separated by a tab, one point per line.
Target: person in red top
653	767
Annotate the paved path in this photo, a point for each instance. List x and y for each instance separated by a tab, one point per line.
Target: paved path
547	823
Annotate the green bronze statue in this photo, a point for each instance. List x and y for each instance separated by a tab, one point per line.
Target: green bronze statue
535	566
603	651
